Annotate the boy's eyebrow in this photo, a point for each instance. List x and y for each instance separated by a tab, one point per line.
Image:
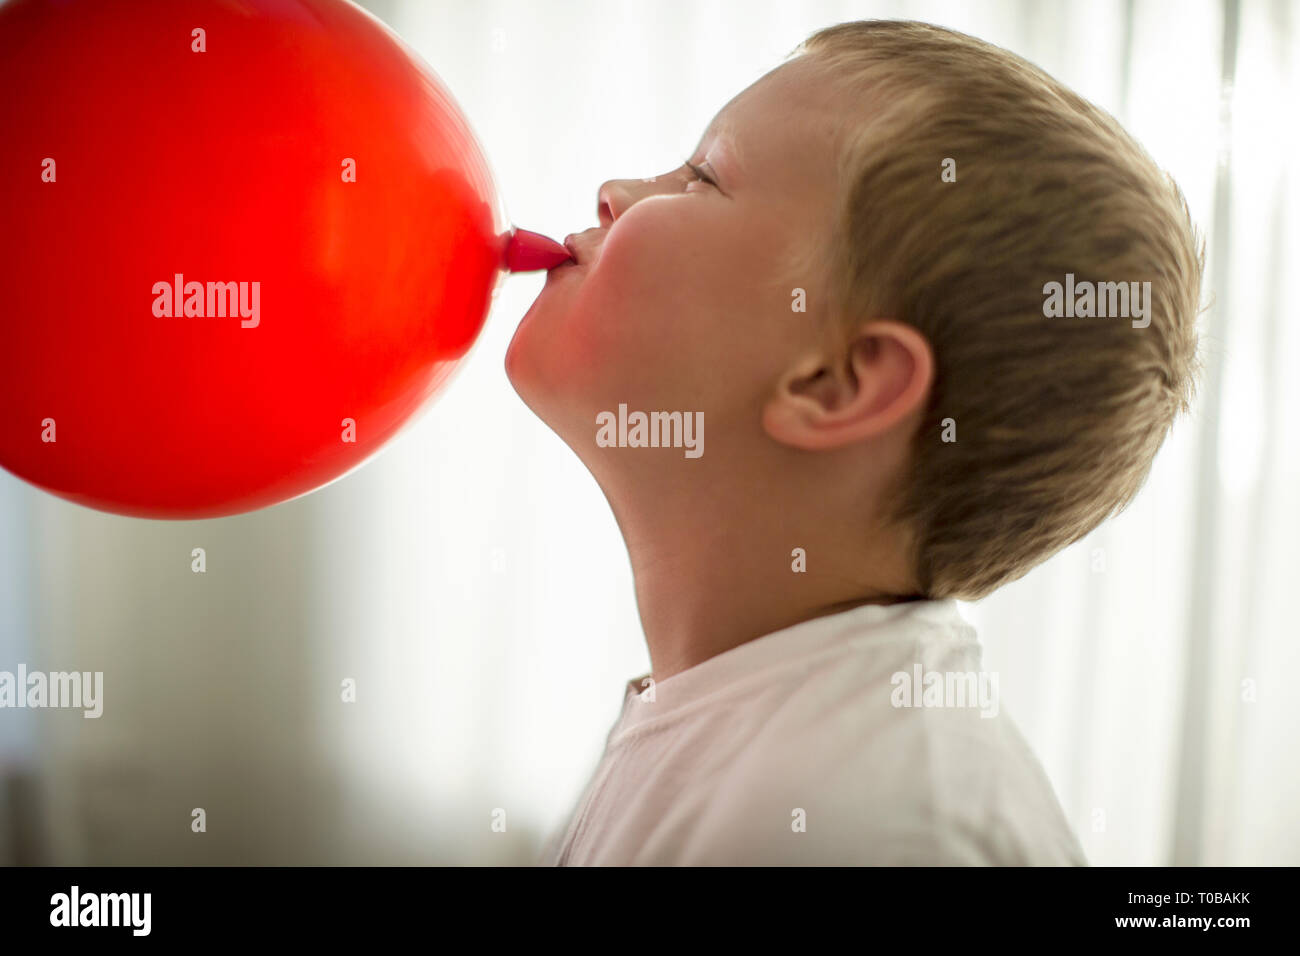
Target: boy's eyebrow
725	156
725	160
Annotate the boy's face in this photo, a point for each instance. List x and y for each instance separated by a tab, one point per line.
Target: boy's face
681	299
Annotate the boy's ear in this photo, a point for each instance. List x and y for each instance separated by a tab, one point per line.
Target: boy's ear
880	376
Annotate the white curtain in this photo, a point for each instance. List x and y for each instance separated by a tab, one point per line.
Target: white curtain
471	579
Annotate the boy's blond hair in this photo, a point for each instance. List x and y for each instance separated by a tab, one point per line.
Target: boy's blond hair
1056	420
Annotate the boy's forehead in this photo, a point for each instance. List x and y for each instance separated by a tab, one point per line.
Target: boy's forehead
780	128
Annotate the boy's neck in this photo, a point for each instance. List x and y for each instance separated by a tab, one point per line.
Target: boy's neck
706	586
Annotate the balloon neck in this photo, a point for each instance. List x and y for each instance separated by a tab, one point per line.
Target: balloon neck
531	251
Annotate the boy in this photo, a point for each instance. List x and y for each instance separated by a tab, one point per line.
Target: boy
855	282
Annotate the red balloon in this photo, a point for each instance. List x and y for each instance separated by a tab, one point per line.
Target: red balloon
245	241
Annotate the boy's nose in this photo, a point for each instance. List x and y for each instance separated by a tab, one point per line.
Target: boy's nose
611	201
616	196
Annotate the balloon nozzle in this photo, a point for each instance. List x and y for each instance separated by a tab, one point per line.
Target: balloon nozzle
531	251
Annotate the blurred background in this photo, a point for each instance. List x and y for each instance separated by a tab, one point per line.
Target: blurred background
471	579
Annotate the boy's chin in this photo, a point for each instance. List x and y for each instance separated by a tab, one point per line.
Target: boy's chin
539	387
522	364
522	376
533	349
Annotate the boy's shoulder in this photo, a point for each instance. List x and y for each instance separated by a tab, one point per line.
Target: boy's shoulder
893	751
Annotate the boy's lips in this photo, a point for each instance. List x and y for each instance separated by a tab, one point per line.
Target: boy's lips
583	246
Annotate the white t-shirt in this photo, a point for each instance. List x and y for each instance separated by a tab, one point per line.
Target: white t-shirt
806	747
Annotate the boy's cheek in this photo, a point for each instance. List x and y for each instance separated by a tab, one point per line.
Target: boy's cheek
642	325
